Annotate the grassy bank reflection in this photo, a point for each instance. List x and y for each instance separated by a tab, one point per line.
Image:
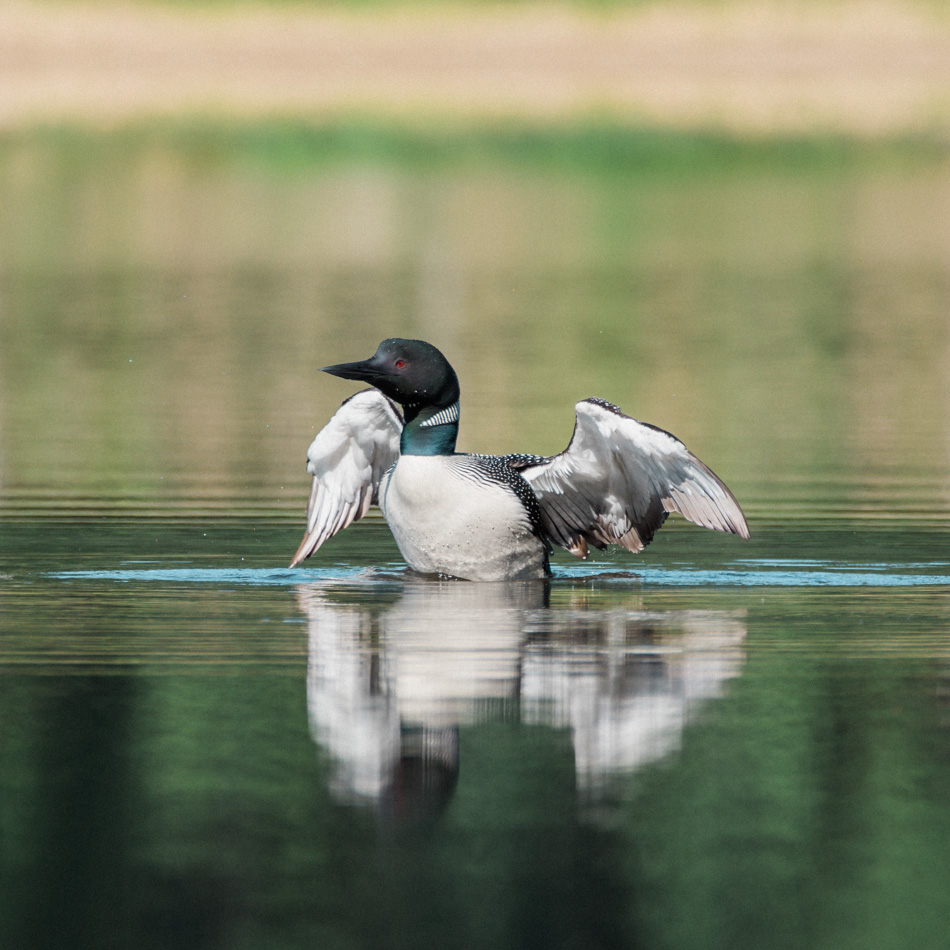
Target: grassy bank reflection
168	292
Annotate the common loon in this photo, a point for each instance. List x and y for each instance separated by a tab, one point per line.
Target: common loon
490	517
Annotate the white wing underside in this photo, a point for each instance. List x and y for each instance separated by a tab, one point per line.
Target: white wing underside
347	459
618	480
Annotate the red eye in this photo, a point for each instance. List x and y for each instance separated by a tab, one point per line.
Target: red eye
400	364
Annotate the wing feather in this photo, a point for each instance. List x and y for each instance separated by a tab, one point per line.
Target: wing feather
619	479
347	459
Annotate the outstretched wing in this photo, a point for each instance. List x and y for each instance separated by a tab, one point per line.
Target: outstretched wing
619	479
347	459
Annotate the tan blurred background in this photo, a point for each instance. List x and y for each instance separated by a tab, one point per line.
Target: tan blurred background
864	66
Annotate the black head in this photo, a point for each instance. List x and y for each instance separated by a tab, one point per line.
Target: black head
411	372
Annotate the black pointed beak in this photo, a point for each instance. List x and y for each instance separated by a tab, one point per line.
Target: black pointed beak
366	370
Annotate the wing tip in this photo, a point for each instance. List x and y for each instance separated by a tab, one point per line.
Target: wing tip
309	544
601	403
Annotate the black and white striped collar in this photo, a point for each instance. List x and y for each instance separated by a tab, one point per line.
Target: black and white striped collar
443	416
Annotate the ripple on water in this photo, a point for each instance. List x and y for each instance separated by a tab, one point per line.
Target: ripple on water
771	573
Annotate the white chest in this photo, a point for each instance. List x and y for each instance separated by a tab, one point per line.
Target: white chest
446	522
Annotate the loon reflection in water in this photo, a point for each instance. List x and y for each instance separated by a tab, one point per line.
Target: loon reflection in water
390	681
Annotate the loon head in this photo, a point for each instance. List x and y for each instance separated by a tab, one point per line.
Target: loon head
411	372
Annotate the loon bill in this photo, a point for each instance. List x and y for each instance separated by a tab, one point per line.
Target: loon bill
491	517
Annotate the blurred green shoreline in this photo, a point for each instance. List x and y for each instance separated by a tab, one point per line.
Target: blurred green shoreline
581	144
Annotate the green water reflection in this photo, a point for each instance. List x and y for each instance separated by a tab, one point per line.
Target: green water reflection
349	759
168	294
608	765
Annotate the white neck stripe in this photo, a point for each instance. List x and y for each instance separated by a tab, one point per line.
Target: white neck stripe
443	417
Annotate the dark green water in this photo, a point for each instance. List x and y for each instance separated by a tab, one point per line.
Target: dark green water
202	755
715	744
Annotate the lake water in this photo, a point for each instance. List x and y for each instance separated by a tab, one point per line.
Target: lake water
713	744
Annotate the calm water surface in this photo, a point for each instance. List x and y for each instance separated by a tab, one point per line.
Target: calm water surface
716	744
718	749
